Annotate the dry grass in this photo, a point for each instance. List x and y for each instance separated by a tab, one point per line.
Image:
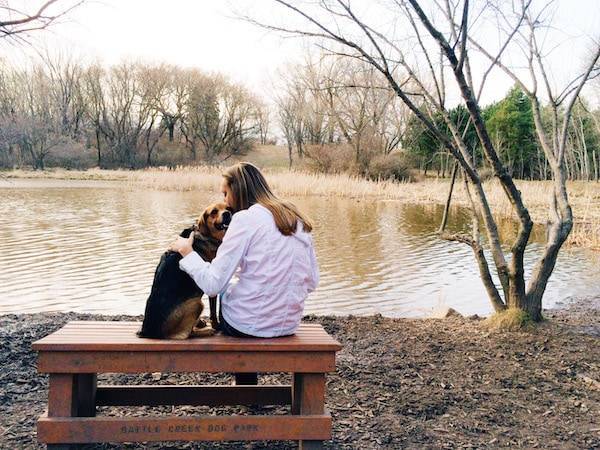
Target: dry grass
285	183
584	196
64	174
271	156
512	319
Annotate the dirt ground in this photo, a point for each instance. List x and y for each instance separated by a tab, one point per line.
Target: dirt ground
400	383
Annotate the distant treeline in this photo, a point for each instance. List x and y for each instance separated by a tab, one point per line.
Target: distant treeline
63	113
334	115
343	117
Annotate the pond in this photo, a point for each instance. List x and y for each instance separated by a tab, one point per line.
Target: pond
92	246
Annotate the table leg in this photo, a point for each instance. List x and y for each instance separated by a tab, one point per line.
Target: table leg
62	400
242	378
308	397
61	395
86	394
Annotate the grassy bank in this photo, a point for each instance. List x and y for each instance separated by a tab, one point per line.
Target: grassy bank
584	196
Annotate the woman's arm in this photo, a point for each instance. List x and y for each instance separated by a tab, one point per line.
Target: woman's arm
213	277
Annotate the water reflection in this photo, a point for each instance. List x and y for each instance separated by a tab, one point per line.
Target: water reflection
93	246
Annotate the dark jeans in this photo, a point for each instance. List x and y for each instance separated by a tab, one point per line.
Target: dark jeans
229	330
246	378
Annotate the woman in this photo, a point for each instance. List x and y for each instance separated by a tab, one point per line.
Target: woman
269	241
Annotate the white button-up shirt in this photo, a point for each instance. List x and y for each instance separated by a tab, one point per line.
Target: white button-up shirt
276	274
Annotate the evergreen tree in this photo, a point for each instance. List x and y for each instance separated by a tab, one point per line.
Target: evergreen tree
510	124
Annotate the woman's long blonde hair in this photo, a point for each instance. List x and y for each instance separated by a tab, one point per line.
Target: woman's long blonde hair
249	186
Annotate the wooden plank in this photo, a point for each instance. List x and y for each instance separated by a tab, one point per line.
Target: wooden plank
121	336
125	334
101	325
136	362
198	428
303	328
193	395
83	343
129	323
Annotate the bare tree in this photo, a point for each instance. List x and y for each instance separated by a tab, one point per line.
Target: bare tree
294	109
35	118
436	52
17	23
65	89
359	105
121	109
170	100
552	141
263	121
155	85
329	100
287	118
218	116
94	94
125	110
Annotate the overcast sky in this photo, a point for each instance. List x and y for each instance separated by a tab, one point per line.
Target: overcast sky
189	33
205	34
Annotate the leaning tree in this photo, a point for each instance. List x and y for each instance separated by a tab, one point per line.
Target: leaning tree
450	48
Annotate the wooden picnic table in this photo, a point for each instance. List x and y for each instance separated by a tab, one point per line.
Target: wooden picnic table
75	354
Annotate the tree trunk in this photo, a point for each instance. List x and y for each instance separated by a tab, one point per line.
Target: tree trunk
171	128
449	198
289	145
98	148
561	225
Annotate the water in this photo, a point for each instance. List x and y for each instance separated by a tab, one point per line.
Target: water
92	246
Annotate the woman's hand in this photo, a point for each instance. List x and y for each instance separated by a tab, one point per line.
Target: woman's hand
183	245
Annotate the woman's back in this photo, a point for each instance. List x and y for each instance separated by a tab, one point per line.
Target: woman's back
276	274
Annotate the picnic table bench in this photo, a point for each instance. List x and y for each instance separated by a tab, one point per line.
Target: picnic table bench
75	354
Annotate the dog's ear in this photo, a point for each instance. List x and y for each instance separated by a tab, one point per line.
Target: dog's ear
203	225
186	232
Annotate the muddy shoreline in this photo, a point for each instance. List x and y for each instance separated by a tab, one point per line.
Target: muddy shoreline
400	383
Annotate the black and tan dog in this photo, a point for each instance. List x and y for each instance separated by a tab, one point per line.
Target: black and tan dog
175	303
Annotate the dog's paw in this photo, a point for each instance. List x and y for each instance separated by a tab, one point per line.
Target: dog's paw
202	332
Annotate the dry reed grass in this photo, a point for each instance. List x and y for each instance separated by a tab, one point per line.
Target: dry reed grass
64	174
584	196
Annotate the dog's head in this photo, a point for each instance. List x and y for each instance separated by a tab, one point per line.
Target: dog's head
214	221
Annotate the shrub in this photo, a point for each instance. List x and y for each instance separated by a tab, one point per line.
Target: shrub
329	158
388	167
71	154
486	173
